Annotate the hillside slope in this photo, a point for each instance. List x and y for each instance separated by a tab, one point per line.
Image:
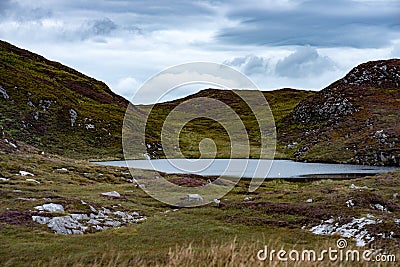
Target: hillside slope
355	120
57	109
281	103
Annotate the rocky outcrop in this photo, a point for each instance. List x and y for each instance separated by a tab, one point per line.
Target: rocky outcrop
80	223
354	120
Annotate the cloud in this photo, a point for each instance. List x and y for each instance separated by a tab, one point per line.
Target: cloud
305	61
250	64
126	87
124	42
12	9
361	24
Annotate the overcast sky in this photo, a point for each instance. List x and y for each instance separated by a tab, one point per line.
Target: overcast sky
288	43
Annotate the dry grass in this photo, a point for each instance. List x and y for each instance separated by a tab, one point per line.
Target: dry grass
229	254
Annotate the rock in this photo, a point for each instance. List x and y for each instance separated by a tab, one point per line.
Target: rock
247	198
395	195
350	203
4	179
33	180
353	186
111	194
93	221
113	223
79	217
379	207
73	116
65	225
51	207
217	201
41	219
309	200
135	214
194	197
4	93
25	173
354	229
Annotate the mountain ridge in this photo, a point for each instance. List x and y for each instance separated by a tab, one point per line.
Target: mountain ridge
57	109
354	120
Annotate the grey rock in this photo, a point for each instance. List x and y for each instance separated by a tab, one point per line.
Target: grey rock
51	207
113	223
64	225
4	93
73	116
111	194
93	221
194	197
79	216
41	219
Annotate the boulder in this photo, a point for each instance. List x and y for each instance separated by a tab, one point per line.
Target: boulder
111	194
51	207
194	197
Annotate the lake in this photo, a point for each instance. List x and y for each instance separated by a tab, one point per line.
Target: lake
249	168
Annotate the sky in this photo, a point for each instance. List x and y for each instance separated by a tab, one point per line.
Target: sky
305	44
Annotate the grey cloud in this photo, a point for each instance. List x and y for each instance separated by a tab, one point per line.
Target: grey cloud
11	9
102	26
249	64
317	23
305	61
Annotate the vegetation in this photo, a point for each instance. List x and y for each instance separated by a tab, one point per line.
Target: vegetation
53	119
277	215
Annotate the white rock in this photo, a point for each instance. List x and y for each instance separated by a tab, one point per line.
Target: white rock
353	186
51	207
194	197
41	219
25	173
379	207
65	225
4	179
217	201
247	198
4	93
111	194
135	214
33	180
350	203
353	229
93	221
79	216
395	195
309	200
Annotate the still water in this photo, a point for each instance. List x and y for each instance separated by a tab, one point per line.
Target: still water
252	168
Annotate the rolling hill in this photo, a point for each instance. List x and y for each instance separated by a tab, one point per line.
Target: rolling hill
57	109
49	107
355	119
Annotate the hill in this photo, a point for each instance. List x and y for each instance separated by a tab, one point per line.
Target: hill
58	109
281	103
355	119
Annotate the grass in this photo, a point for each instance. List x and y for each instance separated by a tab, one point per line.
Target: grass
281	103
275	215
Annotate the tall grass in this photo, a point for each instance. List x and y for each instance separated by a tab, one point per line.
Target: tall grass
229	254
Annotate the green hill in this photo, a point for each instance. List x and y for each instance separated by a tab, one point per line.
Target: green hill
57	109
355	119
281	103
